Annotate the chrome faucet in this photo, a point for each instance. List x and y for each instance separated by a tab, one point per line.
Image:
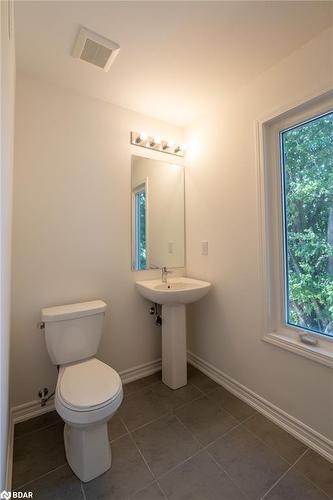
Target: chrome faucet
165	272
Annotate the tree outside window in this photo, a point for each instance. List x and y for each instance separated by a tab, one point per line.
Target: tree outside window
307	168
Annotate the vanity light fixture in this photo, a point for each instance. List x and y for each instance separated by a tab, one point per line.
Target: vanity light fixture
156	143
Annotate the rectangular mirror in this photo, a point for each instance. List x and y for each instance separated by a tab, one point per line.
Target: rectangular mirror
158	214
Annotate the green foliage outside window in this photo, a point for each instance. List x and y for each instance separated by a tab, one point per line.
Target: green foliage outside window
307	154
141	214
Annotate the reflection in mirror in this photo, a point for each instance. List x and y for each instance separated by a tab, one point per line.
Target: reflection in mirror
158	214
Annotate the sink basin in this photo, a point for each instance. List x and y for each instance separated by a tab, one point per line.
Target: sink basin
176	291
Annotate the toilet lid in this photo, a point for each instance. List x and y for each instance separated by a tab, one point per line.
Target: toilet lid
88	384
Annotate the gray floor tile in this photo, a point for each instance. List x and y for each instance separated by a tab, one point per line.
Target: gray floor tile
141	408
36	424
200	380
253	465
283	443
137	385
318	470
294	486
60	484
127	475
232	404
37	453
152	492
116	428
206	419
151	379
199	479
165	443
175	398
255	454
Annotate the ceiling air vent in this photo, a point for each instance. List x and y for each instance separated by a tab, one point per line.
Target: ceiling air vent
95	49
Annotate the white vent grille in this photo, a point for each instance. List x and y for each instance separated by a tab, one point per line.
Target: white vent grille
95	49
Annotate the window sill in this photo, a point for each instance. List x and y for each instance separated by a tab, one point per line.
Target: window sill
318	354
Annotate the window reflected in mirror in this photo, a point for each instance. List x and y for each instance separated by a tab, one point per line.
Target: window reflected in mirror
140	237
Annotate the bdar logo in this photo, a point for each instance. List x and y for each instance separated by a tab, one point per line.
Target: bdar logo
5	494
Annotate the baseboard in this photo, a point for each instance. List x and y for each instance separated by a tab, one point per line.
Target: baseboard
30	410
301	431
140	371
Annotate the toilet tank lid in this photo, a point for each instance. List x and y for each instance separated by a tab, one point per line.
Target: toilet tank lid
72	311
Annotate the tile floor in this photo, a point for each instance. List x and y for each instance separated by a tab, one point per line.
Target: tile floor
199	442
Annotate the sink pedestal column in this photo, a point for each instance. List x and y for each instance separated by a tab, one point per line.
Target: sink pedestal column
174	356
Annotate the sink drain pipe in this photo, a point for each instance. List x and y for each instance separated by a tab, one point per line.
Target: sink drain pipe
156	311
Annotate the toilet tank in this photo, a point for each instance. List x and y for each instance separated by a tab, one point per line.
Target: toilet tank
73	332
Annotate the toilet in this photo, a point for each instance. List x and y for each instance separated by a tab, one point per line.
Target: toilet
88	391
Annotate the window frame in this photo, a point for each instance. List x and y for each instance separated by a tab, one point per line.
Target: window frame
142	185
276	329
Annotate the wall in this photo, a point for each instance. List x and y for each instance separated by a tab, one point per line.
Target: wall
222	207
72	226
7	92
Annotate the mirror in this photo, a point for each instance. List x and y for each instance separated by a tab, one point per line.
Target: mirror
158	214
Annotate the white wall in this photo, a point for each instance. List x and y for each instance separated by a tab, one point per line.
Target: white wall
7	92
72	226
222	207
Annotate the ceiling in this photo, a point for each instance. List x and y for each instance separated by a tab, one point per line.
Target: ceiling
177	59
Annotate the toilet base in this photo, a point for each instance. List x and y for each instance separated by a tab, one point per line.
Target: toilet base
88	450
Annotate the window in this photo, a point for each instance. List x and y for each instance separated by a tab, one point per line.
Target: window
306	158
297	229
140	227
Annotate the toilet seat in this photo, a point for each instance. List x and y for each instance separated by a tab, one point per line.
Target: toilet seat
87	391
88	385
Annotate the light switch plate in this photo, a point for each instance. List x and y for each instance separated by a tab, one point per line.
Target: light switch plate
204	248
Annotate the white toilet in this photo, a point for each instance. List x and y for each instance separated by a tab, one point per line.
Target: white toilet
88	391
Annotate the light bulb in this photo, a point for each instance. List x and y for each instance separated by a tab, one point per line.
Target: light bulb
181	148
156	141
143	137
170	144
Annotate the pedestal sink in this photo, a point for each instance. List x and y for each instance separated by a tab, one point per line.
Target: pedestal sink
173	296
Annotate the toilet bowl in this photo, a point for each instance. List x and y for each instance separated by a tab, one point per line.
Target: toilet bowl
88	391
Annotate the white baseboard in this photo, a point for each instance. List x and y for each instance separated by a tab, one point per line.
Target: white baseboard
30	410
301	431
140	371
